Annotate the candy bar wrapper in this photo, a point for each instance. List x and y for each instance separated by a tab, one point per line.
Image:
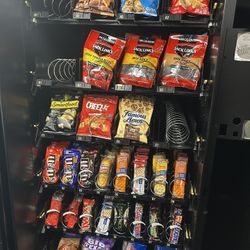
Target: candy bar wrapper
70	219
71	159
133	246
153	218
138	217
105	169
122	163
175	232
105	217
94	242
180	171
53	214
69	244
87	165
87	213
121	213
164	248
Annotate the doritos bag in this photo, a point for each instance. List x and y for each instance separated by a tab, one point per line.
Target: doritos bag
97	115
183	60
140	61
100	55
197	7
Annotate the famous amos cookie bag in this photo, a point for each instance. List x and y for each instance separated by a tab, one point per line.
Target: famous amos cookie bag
140	61
183	61
62	115
135	115
100	55
53	214
195	7
97	115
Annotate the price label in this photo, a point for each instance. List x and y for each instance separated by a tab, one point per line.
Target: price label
122	87
82	85
83	138
164	89
167	17
43	82
78	15
40	14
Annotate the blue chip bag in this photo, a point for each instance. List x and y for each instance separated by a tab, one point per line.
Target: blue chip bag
70	161
164	248
133	246
143	7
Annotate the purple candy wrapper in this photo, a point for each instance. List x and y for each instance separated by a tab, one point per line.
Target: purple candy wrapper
70	161
97	243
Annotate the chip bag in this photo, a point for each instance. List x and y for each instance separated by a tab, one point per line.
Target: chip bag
196	7
183	60
144	7
97	115
100	55
141	60
135	116
69	243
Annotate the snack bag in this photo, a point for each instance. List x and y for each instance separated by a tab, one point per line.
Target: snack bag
137	231
87	215
98	243
71	215
144	7
183	60
155	228
196	7
122	163
71	159
63	111
175	228
105	217
135	116
164	248
52	162
106	166
101	7
100	55
133	246
180	171
141	60
69	244
53	214
121	213
97	115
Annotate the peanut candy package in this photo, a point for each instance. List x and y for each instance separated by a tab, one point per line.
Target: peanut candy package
180	171
135	116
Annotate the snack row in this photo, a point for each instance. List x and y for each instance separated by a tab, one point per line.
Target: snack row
124	170
110	216
142	7
96	119
181	65
88	242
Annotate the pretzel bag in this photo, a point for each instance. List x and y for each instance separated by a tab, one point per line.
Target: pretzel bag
183	60
97	115
197	7
100	55
140	61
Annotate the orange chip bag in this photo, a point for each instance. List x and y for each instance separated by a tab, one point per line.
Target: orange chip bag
180	171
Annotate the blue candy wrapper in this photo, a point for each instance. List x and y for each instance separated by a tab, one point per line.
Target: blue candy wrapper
164	248
142	7
133	246
70	161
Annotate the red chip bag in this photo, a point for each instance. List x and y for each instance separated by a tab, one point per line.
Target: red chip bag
183	60
140	61
53	214
52	162
196	7
97	115
100	55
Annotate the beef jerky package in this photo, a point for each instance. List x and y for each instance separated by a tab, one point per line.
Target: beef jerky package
62	115
144	7
97	115
140	61
135	116
100	55
53	214
69	243
52	162
183	60
196	7
101	7
98	243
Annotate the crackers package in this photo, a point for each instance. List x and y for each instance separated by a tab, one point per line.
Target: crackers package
97	115
135	116
196	7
